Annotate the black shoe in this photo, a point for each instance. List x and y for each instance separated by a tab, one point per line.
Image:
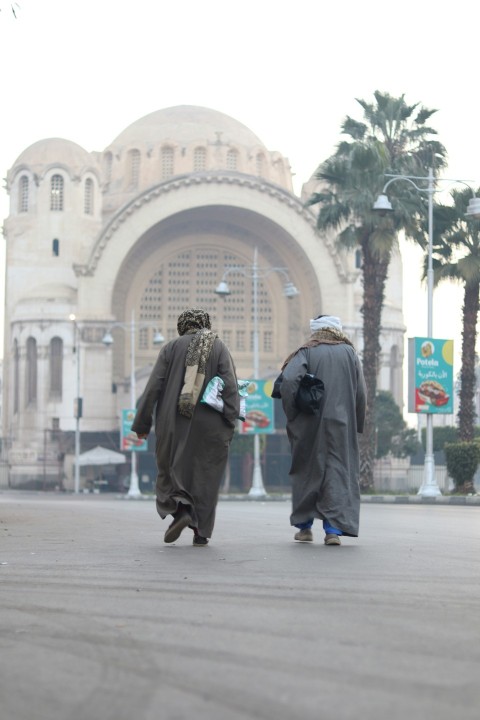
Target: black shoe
179	524
200	541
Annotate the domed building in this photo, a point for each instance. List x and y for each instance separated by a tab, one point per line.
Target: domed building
120	242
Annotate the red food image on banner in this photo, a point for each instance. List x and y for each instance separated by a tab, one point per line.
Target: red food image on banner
130	440
257	418
431	393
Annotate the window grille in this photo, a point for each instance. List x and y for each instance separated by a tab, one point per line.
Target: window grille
56	193
134	168
199	159
241	340
188	279
23	195
232	160
143	338
267	341
167	162
88	199
260	162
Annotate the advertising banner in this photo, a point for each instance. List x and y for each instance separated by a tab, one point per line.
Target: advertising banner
430	376
128	439
259	413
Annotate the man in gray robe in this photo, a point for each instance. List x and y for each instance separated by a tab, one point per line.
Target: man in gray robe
192	439
325	466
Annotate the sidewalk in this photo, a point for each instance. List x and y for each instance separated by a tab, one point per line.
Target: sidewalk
400	499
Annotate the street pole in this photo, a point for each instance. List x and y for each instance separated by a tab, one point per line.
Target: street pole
257	489
429	487
133	490
76	484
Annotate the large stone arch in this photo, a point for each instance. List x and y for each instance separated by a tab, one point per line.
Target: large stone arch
168	199
214	211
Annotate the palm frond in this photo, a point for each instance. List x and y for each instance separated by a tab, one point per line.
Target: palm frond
355	129
423	115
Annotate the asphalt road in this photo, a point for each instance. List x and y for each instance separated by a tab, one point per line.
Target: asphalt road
99	619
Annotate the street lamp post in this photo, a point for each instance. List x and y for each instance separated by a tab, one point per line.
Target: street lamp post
255	273
134	489
429	487
77	405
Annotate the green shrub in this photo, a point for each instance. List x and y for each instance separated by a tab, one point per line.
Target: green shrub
462	461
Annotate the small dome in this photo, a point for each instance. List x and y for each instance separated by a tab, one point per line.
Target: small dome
186	124
58	292
55	151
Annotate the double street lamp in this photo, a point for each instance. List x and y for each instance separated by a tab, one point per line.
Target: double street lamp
429	487
158	339
256	273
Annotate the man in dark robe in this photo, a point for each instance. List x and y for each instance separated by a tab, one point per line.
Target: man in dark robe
325	457
192	439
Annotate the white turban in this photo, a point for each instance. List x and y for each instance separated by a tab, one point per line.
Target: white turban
326	321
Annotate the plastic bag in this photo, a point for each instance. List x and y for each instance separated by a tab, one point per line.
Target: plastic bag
213	395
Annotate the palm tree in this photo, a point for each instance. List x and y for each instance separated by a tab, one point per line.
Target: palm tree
393	139
457	257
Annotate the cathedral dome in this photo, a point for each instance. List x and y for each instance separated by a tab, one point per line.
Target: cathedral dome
186	124
181	140
55	151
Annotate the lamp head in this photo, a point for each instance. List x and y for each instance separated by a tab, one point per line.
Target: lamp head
158	338
222	289
107	339
473	209
382	205
290	291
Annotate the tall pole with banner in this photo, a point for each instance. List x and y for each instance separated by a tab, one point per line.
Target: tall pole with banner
254	272
429	487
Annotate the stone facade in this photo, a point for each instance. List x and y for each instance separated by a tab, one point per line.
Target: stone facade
143	230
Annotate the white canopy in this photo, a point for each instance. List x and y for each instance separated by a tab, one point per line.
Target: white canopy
101	456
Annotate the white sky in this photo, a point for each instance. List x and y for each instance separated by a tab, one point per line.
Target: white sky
289	70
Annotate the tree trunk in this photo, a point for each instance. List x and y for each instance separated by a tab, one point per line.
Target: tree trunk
466	413
374	277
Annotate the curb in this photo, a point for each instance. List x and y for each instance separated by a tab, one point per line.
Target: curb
381	499
459	500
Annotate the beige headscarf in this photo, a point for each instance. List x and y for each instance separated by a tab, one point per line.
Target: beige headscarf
197	323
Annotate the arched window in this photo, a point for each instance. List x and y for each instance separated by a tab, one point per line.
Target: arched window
16	377
107	165
23	194
232	160
31	371
167	162
56	193
199	159
88	197
55	247
134	168
56	367
260	163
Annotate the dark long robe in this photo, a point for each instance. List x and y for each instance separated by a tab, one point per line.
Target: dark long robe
191	453
325	468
